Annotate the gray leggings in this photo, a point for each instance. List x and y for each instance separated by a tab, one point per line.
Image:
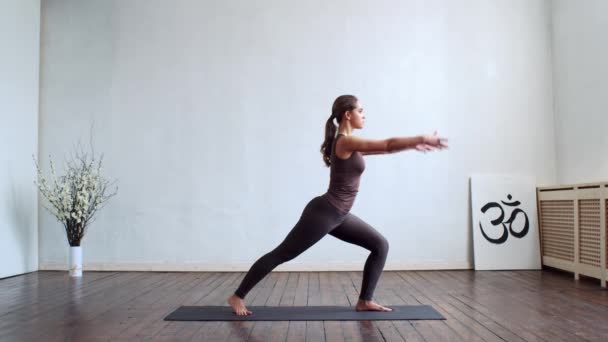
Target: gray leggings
319	218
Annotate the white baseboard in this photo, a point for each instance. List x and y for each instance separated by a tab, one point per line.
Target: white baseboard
244	267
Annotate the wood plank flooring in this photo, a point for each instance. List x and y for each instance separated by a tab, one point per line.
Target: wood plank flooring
547	305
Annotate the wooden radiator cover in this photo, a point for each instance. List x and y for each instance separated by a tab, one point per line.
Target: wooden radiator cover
572	221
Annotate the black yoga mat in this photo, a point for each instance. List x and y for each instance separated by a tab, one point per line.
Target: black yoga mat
302	313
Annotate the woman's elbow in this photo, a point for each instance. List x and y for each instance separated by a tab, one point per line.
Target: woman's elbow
389	146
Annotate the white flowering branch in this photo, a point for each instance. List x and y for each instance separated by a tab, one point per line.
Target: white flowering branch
75	197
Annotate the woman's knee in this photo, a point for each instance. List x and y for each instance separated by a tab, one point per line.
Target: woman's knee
381	246
285	254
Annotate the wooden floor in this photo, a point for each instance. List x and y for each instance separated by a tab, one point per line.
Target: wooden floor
479	306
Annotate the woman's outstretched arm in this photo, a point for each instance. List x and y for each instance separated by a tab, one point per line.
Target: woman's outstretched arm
426	142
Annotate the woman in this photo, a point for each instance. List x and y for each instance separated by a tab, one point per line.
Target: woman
330	212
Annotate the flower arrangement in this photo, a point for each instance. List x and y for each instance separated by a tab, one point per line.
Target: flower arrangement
77	195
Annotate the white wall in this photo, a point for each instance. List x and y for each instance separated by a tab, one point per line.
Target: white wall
580	45
19	54
211	115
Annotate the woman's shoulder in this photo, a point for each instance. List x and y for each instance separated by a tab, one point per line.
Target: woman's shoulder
334	150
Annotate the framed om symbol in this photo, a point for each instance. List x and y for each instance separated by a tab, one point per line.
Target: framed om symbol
504	222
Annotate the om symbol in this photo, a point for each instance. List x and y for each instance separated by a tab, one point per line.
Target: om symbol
499	221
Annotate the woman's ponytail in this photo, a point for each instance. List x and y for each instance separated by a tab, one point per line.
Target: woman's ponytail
342	104
330	133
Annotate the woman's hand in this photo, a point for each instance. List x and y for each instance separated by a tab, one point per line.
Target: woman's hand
424	148
432	141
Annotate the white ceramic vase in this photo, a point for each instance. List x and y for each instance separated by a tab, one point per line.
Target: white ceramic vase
75	261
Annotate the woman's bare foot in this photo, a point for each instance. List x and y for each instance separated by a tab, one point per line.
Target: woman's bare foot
368	305
238	306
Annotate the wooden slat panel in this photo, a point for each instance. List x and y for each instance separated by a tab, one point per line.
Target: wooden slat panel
589	232
557	226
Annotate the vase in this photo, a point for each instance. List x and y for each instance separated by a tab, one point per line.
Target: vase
75	261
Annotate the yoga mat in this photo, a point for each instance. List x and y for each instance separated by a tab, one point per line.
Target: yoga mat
303	313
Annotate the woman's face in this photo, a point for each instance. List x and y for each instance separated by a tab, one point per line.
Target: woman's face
357	118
